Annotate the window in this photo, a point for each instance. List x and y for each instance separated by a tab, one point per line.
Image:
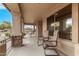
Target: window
66	28
64	17
69	23
69	26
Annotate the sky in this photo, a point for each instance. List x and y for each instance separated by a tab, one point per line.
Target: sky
69	21
5	15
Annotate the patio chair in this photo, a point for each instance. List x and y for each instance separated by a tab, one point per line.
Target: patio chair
45	38
51	44
40	40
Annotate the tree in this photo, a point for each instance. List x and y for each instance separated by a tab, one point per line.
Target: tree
5	25
1	27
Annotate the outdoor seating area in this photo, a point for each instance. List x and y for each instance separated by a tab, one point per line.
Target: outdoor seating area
49	44
40	29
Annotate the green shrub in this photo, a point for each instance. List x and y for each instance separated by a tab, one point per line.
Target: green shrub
23	34
8	34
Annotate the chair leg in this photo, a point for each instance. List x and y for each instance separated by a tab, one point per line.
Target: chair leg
44	46
39	44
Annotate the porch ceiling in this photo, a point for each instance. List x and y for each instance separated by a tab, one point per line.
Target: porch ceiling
34	11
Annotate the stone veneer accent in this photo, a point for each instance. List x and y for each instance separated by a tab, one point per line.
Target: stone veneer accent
16	41
3	50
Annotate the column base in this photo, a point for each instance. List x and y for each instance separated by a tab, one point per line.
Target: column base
3	50
16	41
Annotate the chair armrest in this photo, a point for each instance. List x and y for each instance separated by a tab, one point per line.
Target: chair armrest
47	38
53	41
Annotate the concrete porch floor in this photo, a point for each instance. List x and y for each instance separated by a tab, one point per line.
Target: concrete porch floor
30	48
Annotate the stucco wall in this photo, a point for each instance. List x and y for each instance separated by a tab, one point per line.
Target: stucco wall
16	24
67	47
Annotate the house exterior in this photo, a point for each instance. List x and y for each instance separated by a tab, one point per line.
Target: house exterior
39	15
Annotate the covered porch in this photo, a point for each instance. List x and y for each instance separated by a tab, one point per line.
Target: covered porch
42	17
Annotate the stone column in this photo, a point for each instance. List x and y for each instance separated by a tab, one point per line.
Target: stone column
16	30
3	48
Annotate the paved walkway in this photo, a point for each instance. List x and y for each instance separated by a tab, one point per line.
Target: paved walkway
30	48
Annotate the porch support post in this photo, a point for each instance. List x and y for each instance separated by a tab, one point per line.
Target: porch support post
75	23
34	27
75	27
16	30
39	28
44	26
22	22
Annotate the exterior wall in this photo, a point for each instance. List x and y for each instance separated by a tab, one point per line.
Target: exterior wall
76	50
66	46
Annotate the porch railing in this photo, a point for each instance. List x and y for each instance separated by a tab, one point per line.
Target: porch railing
8	45
5	46
2	47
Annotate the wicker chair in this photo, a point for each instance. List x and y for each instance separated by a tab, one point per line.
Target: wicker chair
40	40
45	38
51	44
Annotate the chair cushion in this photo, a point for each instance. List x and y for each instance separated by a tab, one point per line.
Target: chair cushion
50	43
40	38
46	38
